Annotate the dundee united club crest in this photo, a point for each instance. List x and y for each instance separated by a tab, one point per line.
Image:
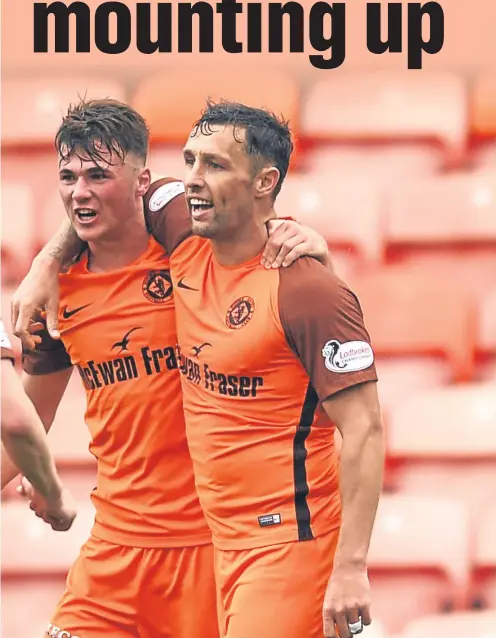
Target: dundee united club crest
157	286
240	313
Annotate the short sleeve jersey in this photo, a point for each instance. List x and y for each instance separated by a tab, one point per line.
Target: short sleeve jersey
5	345
259	352
118	330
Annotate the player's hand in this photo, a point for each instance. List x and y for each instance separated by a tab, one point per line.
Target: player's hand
347	601
289	240
59	513
38	291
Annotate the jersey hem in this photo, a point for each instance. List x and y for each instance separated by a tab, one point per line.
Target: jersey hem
280	538
148	542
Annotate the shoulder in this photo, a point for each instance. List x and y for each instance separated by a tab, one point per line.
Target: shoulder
309	284
162	191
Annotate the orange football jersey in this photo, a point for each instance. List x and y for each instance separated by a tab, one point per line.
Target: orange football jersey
118	329
259	351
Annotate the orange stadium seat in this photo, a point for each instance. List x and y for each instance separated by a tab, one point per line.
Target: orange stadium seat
400	377
409	314
487	321
475	624
387	106
171	101
415	567
473	270
167	161
348	213
446	210
383	164
17	236
484	575
457	421
443	441
483	106
32	109
52	215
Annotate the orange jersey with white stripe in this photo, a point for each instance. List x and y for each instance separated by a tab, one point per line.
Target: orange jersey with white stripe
259	351
118	329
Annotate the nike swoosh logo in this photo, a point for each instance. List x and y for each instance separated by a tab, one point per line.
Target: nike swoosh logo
67	314
180	284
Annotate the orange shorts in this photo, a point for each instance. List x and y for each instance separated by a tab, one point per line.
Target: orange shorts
128	592
276	591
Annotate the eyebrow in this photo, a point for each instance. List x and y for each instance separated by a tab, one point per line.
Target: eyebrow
208	156
91	169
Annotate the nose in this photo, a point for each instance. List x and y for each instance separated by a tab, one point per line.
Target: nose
81	191
194	177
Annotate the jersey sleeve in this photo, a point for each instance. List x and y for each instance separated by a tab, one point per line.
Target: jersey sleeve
5	345
49	356
167	213
324	326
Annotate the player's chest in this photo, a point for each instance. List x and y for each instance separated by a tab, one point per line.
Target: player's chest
227	324
105	319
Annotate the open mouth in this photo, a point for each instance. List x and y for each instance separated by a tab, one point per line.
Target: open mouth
85	215
199	206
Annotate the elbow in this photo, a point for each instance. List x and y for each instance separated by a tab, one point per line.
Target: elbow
15	425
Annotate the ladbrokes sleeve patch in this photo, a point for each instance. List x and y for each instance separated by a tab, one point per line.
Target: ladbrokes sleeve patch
163	195
347	357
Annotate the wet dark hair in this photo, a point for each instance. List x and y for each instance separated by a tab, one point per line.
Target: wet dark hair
268	138
96	127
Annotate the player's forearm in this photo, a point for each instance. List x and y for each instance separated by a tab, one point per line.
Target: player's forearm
61	249
361	474
25	443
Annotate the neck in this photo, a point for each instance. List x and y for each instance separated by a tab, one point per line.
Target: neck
111	253
244	245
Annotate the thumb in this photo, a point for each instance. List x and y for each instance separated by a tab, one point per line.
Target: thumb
52	317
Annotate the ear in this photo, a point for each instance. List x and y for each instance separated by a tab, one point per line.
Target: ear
266	182
144	181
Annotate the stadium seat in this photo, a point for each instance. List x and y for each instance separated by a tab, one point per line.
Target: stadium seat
33	108
487	322
407	314
382	164
18	226
401	377
415	566
457	421
447	210
483	156
30	546
484	573
171	103
387	106
347	213
443	441
167	161
473	268
483	106
52	215
476	624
